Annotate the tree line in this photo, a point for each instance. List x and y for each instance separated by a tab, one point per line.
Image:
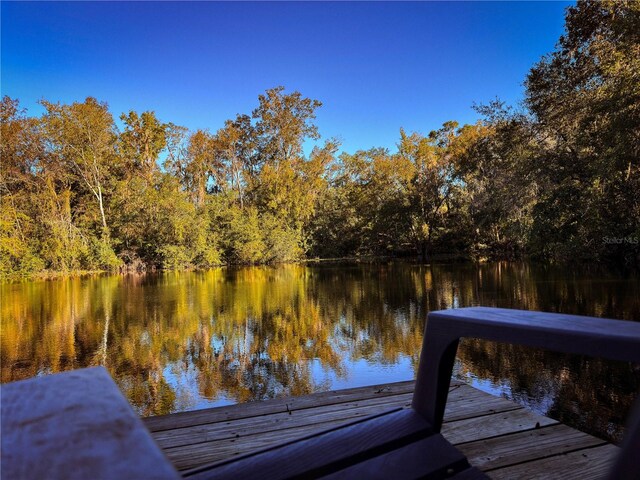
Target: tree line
557	178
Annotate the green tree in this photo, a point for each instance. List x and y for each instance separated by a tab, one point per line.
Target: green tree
21	151
371	196
142	140
82	136
431	184
496	160
585	97
284	121
234	150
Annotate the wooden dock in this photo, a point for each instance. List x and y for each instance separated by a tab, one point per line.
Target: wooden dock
499	437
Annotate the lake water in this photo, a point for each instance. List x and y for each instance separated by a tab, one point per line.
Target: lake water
190	340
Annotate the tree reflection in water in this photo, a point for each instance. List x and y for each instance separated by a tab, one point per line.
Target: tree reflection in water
178	341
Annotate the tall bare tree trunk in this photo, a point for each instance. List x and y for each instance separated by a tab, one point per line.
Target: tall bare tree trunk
104	220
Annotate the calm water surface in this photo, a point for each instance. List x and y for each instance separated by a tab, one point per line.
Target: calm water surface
183	341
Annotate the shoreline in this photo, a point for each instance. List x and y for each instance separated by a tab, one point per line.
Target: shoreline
441	258
46	275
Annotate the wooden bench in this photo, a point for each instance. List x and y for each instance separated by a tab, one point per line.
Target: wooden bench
78	425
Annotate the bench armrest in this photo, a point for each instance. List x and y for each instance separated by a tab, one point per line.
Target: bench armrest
597	337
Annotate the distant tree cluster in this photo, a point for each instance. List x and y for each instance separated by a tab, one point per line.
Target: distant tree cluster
558	180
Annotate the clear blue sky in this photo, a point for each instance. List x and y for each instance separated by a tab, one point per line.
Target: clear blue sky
375	66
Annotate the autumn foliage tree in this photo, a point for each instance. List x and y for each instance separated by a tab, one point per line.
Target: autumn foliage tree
558	178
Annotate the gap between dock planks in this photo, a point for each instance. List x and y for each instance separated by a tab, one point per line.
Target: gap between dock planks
497	435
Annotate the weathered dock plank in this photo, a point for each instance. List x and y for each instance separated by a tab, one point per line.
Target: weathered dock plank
493	425
253	409
499	437
467	402
586	464
525	446
277	421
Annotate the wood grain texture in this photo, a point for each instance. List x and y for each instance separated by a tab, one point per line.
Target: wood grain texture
252	409
278	421
322	454
465	402
488	426
75	425
223	440
485	424
587	464
525	446
472	416
196	455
